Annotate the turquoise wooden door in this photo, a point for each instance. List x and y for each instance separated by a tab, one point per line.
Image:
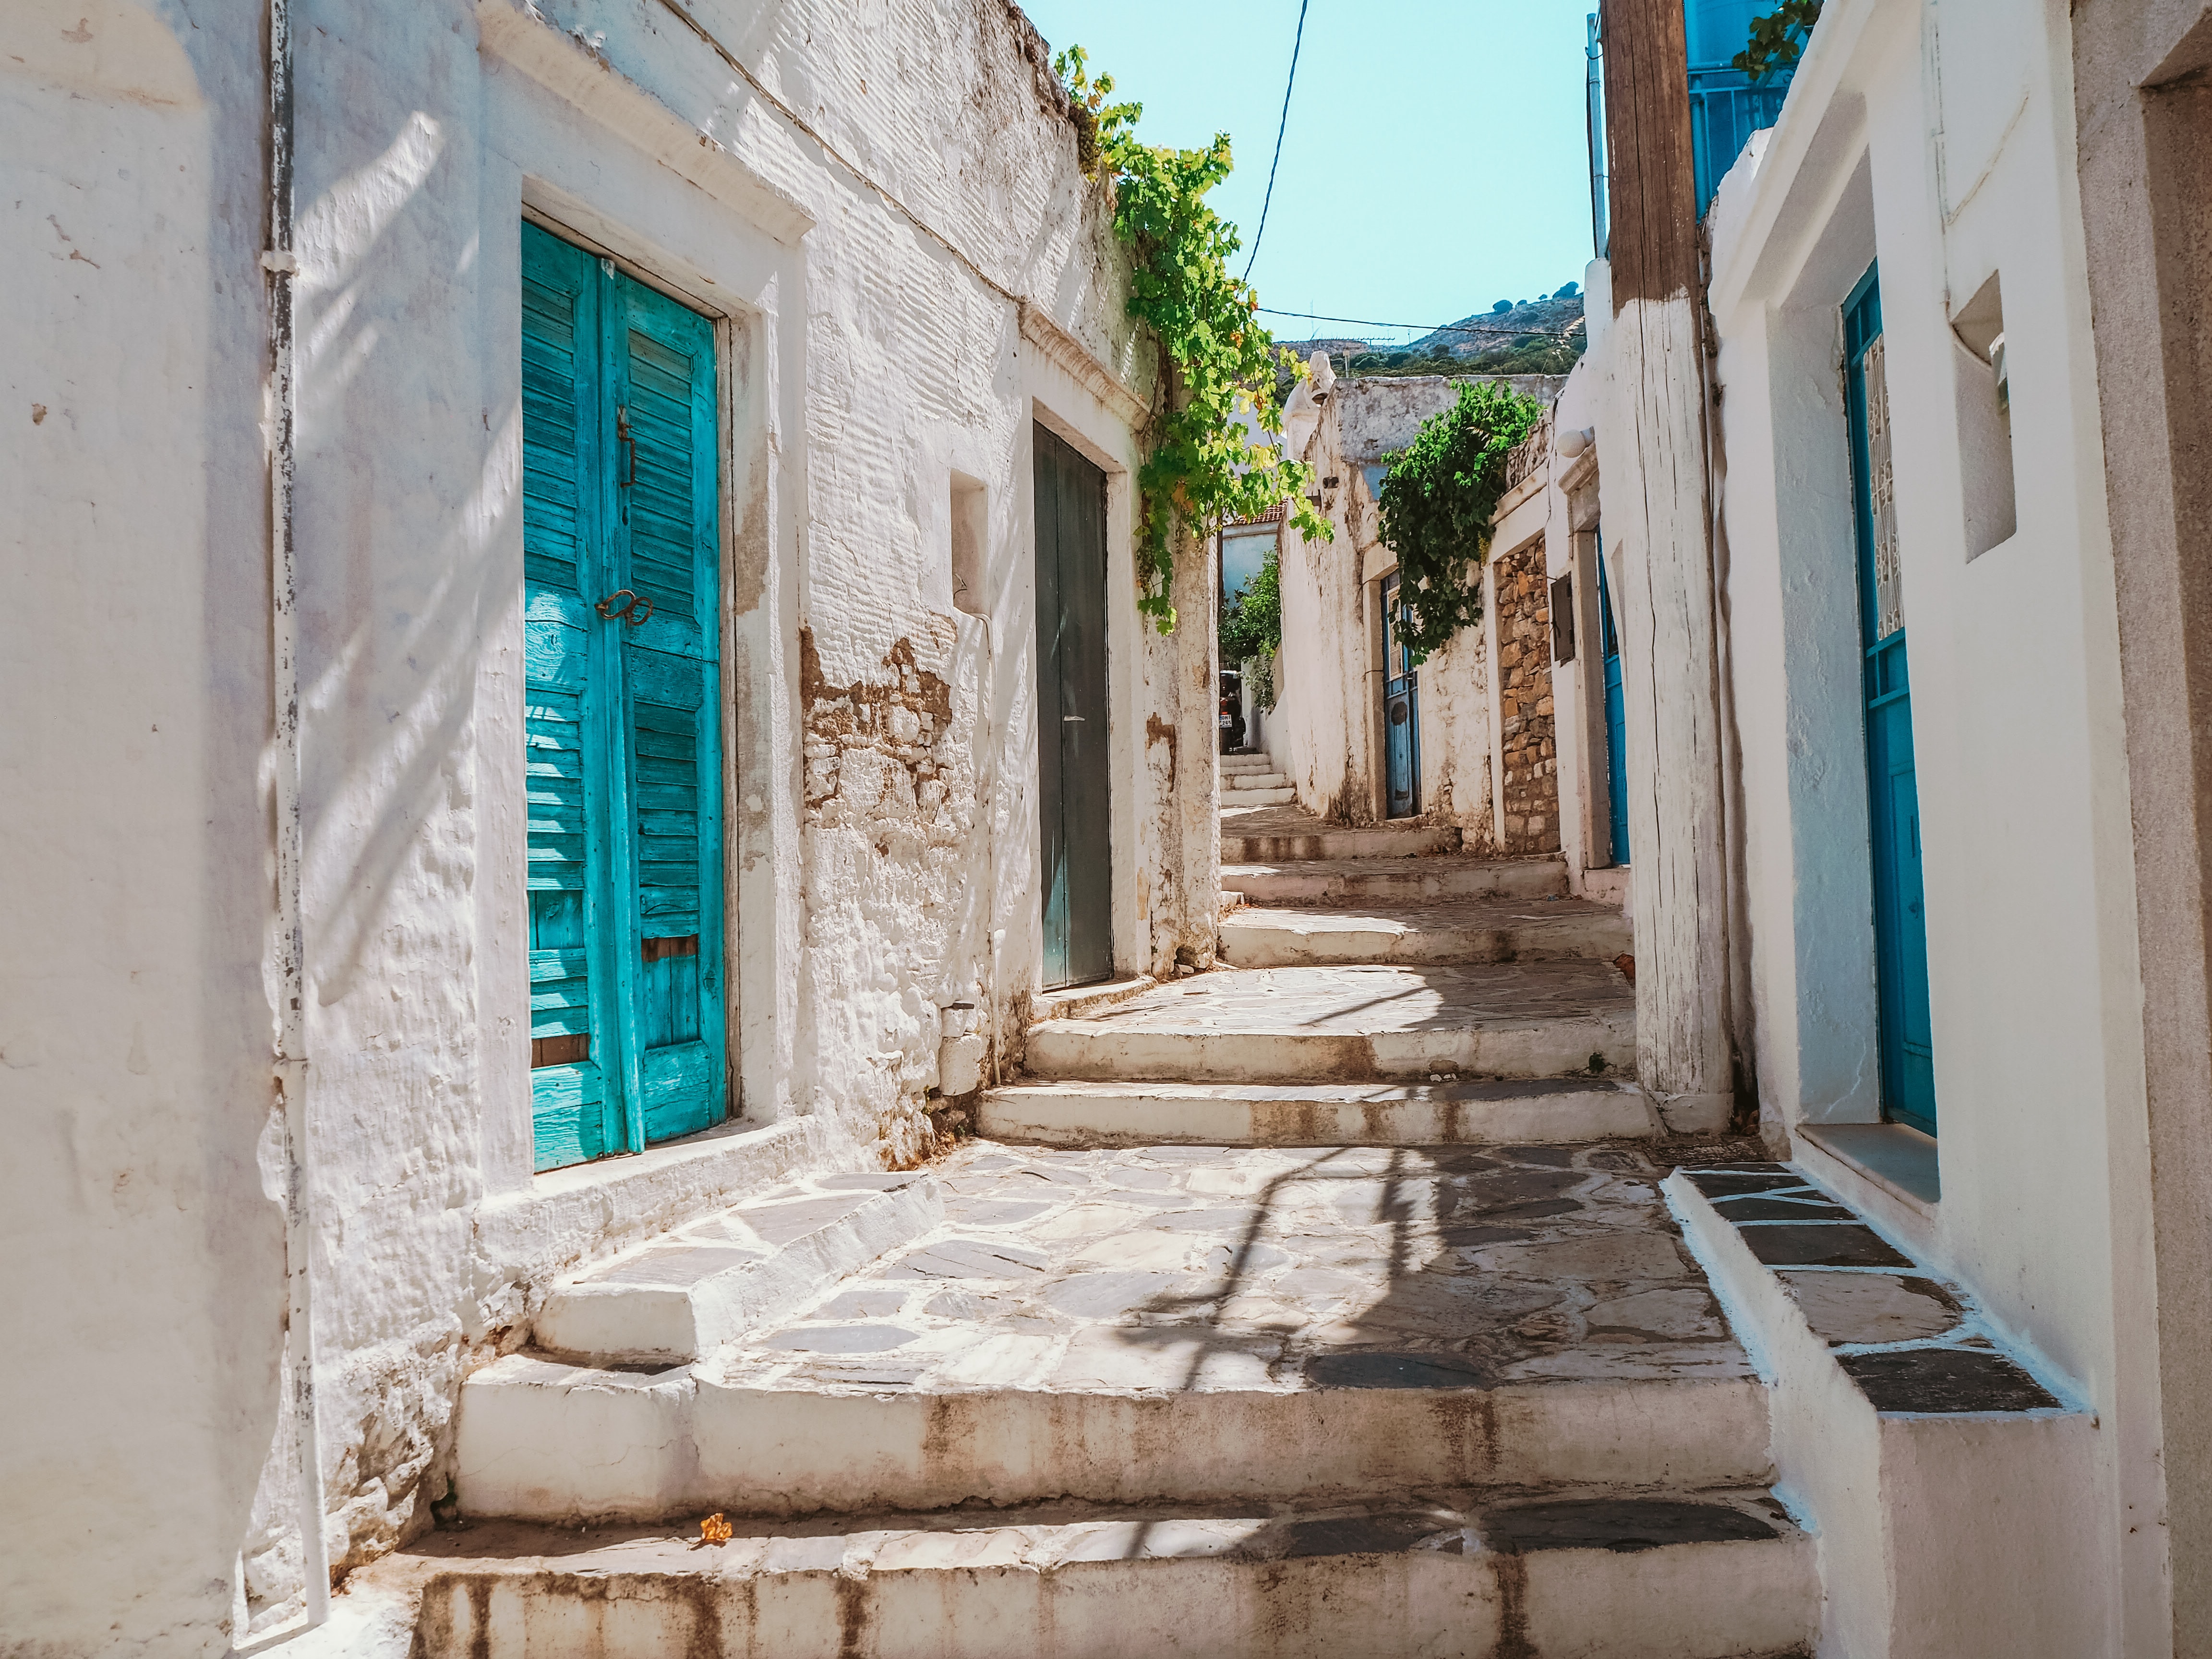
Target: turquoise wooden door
1900	926
1616	720
622	645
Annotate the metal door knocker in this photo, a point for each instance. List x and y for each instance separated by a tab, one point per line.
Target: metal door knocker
634	612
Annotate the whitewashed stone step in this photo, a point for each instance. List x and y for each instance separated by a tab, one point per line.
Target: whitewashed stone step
1256	840
1464	930
1179	1324
1671	1574
1354	1024
1924	1442
1240	784
1257	761
1287	1114
1279	794
677	1296
1400	880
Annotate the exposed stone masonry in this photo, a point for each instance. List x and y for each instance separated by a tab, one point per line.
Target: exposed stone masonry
1528	802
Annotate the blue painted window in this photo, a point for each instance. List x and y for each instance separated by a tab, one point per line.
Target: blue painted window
623	679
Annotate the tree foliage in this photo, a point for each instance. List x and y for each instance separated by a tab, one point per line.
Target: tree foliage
1252	622
1438	499
1777	39
1217	360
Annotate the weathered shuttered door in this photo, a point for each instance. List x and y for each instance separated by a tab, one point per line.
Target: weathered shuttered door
1073	806
627	1040
1900	925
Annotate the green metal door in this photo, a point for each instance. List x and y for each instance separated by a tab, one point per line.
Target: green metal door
1073	797
622	671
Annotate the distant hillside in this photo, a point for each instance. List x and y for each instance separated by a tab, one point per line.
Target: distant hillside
1543	335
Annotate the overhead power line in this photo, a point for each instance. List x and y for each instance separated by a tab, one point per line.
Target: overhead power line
1281	127
1425	328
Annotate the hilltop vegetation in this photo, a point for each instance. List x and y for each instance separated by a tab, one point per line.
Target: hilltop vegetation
1542	335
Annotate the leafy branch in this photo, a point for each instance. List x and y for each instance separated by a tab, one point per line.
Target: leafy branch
1777	39
1437	500
1217	361
1252	622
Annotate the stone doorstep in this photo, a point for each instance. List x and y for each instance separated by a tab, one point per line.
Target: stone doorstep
1403	880
1079	1001
1461	931
709	1281
1909	1340
1249	1114
1943	1475
1694	1574
542	1441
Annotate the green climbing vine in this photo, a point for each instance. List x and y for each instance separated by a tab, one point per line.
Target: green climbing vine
1777	39
1437	501
1216	359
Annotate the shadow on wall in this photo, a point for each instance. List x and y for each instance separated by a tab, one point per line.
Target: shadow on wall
133	1024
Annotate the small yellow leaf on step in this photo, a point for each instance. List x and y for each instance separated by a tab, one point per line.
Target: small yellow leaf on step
714	1530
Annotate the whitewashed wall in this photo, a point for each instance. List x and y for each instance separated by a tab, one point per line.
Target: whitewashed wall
866	360
147	1292
1940	140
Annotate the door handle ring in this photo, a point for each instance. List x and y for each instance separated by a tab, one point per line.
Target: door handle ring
627	612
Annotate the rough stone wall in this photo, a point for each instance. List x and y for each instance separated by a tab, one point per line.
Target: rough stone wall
1528	795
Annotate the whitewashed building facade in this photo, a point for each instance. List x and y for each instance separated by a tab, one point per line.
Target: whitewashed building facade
1898	903
807	293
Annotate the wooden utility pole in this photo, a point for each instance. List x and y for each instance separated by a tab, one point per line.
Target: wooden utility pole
1654	496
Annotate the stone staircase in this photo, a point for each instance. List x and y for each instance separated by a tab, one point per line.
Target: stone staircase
1335	1302
1325	1305
1154	1400
1382	988
1250	780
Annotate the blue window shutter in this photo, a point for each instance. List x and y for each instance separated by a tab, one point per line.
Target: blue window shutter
668	541
576	1114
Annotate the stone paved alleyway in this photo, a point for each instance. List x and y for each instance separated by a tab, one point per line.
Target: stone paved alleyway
1328	1306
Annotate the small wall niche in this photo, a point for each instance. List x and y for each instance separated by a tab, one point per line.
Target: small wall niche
1985	414
971	521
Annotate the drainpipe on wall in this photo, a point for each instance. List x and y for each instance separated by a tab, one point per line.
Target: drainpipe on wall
282	266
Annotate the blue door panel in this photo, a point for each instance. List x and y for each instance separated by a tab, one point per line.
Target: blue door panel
1616	744
1906	1038
621	649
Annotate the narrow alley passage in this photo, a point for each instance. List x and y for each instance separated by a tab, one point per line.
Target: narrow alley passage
1323	1302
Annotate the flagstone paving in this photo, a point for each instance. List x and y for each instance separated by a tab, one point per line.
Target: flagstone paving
1360	998
1190	1268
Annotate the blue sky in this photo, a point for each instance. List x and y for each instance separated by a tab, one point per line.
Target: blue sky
1436	160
